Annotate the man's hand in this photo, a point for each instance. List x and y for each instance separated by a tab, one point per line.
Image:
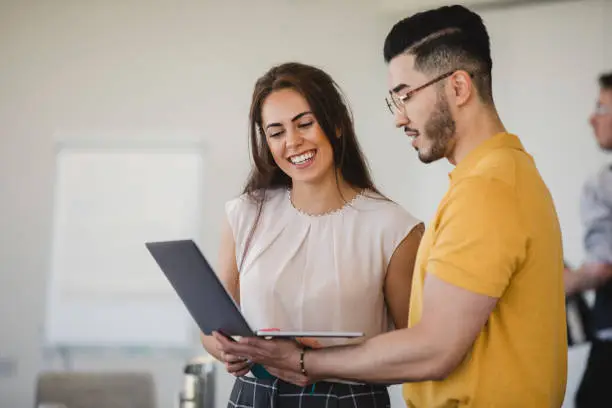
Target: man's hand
290	376
280	357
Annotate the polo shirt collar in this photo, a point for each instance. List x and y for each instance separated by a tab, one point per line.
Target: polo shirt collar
502	140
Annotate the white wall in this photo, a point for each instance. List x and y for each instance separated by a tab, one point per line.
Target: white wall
160	67
405	7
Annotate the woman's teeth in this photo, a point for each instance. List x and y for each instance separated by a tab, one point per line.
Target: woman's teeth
302	158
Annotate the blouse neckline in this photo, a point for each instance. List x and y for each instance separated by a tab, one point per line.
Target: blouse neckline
333	212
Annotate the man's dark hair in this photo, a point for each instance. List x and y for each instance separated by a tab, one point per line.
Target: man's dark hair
605	81
442	40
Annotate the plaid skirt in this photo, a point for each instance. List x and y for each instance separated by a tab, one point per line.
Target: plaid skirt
274	393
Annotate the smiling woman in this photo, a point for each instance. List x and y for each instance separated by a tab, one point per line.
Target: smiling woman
311	244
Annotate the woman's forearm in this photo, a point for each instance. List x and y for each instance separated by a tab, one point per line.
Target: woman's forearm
210	345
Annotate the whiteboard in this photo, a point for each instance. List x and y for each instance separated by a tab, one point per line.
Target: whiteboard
104	288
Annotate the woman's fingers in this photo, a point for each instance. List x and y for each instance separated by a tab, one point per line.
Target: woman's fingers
237	366
241	373
230	358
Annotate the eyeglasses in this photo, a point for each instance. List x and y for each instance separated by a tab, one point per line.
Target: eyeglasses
399	102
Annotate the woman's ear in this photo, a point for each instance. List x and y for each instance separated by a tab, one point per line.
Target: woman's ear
338	133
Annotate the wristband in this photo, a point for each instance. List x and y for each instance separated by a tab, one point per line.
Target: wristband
302	368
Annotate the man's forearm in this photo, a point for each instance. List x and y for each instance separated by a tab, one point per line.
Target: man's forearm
392	358
589	276
573	282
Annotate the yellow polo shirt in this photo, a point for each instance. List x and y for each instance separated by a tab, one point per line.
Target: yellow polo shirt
496	233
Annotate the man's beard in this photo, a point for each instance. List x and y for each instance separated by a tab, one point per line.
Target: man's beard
439	131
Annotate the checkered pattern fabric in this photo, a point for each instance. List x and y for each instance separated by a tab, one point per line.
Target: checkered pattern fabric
273	393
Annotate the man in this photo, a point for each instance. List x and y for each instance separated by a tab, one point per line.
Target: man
487	312
596	271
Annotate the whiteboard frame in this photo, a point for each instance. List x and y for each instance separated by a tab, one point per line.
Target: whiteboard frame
119	141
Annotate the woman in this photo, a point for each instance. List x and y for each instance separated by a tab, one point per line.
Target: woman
311	244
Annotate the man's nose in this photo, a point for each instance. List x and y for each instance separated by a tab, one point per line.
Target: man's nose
593	120
400	119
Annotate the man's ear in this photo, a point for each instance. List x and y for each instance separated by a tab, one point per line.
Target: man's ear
462	87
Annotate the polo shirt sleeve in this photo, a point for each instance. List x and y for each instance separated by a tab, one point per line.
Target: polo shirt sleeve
480	237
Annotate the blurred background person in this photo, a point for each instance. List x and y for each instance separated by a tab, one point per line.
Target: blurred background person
596	271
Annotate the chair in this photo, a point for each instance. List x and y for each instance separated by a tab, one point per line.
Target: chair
96	389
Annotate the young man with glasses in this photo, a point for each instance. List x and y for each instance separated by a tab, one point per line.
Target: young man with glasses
487	309
596	272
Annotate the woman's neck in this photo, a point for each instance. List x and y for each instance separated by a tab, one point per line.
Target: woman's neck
322	197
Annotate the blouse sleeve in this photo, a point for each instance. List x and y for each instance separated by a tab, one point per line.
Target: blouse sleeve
398	224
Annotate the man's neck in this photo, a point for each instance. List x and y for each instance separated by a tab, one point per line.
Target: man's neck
477	127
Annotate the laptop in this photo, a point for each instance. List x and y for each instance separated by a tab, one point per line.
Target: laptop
205	297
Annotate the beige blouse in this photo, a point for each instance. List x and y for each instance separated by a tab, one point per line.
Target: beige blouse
324	272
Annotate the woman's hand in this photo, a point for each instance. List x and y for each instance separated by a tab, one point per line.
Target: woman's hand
236	366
